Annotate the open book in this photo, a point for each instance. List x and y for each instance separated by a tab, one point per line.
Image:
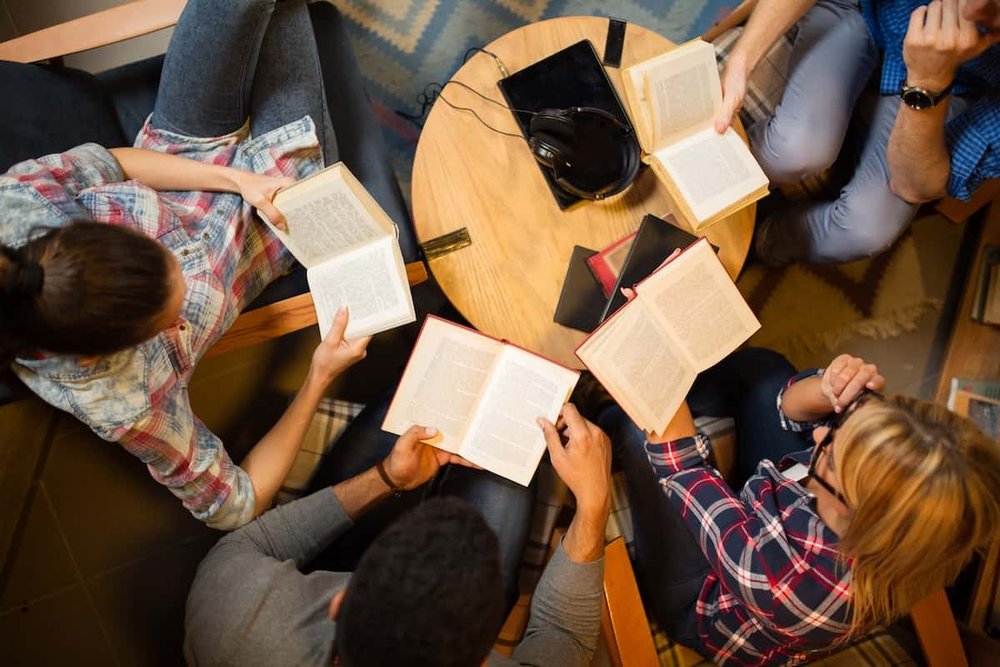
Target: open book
673	99
483	395
685	318
350	250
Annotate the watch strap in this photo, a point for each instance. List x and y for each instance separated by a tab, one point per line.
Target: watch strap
393	489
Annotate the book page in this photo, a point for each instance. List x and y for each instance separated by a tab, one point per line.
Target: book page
712	171
325	217
640	365
695	299
370	281
504	436
443	382
683	90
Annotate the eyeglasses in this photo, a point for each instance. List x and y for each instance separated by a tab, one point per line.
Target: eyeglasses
836	422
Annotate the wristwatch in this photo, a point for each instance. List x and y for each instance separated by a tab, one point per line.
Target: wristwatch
919	98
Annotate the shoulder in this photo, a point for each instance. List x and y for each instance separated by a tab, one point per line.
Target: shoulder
267	614
110	396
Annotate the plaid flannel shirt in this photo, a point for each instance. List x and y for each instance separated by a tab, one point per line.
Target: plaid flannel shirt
779	589
138	397
973	137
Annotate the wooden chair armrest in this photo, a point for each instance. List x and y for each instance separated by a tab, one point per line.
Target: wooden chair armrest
89	32
734	18
959	211
624	625
937	631
284	317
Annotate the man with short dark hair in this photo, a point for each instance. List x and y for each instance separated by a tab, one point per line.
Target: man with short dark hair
428	590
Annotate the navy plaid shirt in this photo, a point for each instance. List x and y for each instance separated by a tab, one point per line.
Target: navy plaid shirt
779	590
973	137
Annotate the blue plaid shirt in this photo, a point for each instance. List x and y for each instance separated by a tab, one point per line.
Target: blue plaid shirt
973	137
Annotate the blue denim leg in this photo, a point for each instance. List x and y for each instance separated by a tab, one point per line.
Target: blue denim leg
832	58
507	508
229	60
361	446
670	566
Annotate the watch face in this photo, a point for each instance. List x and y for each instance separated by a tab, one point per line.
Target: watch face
917	99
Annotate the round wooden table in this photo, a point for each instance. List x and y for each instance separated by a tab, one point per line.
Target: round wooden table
507	282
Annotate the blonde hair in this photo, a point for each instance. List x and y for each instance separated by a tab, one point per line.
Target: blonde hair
923	485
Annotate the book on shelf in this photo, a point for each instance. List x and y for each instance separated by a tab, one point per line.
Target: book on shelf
483	395
979	400
986	298
673	100
989	389
350	250
686	317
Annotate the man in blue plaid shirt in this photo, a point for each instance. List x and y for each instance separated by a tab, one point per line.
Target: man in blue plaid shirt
935	126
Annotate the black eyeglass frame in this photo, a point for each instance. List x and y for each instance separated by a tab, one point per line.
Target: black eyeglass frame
835	423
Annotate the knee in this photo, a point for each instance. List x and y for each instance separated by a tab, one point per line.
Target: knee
858	231
791	151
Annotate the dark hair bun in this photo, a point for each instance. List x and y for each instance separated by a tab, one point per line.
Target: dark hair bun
25	277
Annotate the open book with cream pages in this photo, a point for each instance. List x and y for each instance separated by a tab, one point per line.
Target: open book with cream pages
350	250
686	317
483	396
673	99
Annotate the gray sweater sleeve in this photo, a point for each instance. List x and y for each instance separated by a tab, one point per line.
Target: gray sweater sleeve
565	616
298	531
249	603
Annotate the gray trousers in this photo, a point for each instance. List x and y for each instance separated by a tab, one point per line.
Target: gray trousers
832	59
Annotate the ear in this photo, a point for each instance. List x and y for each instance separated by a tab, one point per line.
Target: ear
338	599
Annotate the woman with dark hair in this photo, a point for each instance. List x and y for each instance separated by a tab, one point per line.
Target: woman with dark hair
119	268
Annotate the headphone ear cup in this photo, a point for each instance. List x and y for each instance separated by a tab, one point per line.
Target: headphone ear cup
551	139
549	150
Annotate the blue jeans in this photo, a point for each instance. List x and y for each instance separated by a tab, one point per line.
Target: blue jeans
234	60
505	505
670	565
832	59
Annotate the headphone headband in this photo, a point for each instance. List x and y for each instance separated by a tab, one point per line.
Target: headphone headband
560	137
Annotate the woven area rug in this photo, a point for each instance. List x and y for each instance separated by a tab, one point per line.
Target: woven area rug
403	45
807	311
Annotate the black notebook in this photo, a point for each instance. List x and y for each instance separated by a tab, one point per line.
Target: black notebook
581	300
573	77
583	305
653	243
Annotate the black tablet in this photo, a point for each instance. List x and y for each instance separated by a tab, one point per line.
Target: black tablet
573	77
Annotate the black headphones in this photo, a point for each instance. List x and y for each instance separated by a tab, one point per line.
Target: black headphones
591	153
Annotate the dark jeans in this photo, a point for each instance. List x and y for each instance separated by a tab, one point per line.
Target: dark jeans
670	565
505	505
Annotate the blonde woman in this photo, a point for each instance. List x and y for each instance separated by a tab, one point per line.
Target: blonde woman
853	507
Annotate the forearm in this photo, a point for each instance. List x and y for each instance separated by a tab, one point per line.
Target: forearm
919	162
268	463
162	171
769	20
804	401
360	493
584	540
681	426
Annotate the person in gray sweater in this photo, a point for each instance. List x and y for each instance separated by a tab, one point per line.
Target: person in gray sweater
427	591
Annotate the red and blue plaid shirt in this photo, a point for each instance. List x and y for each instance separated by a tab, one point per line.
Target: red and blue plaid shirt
139	398
779	588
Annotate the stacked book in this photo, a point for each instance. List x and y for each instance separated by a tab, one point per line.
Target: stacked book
986	302
979	400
